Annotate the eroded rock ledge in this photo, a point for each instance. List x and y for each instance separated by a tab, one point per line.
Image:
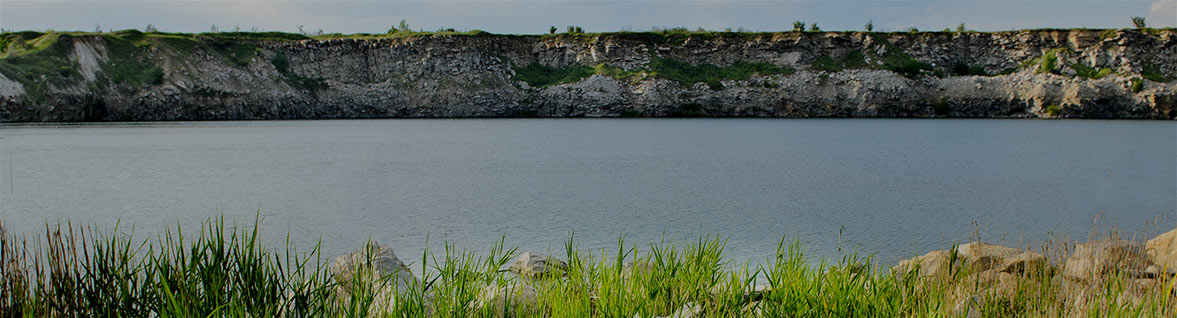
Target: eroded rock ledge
131	76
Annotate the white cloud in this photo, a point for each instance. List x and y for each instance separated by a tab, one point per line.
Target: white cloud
1163	13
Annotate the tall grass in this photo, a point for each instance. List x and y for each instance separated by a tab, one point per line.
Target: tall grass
224	271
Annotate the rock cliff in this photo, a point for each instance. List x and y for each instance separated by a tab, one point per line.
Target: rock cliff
132	76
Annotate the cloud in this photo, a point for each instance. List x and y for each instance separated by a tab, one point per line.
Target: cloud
1163	13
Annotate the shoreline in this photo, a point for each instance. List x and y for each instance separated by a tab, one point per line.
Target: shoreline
682	279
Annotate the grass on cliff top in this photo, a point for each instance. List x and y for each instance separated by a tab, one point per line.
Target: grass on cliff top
224	271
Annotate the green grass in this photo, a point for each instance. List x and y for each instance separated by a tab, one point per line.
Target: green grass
1153	73
126	63
1054	110
38	61
1137	85
224	271
539	75
1048	63
688	74
853	60
281	63
1091	73
962	69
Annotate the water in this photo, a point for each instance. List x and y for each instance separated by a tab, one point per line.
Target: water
894	188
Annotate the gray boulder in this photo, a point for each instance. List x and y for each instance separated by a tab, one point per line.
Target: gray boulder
530	264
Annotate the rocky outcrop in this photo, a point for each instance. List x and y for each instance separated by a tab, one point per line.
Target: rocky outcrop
1016	74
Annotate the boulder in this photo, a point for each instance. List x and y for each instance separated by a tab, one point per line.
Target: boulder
512	294
932	264
376	268
976	258
1098	259
532	264
1163	250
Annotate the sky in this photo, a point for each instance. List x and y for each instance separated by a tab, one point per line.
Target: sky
536	16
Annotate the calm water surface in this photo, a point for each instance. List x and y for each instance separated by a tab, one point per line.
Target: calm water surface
890	187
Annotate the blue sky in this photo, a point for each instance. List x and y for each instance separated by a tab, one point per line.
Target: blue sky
524	16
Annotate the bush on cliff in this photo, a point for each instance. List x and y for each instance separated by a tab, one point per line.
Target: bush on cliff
539	75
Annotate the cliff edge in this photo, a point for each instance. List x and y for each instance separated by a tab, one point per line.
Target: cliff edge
134	76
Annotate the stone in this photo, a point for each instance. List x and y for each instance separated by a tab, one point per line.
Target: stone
512	294
976	258
1163	250
532	264
376	267
968	307
1096	260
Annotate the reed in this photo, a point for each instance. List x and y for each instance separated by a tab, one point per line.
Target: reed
223	271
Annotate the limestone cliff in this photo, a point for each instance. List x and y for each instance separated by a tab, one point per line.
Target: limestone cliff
131	76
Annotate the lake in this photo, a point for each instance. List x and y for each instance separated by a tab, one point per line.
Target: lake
890	187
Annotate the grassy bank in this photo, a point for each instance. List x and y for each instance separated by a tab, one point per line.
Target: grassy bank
223	271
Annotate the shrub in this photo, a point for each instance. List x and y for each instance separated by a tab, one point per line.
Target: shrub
1047	63
814	28
941	107
1139	22
629	113
826	63
539	75
282	64
1053	110
1137	85
688	110
962	69
870	26
687	74
1153	73
1091	73
798	26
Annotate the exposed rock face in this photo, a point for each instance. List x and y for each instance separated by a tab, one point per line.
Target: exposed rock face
981	258
1098	259
475	76
1163	250
532	264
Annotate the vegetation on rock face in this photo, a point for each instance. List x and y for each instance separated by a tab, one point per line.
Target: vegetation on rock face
1053	110
37	61
1153	73
1091	73
684	73
688	74
224	271
853	60
1048	63
962	69
281	63
539	75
